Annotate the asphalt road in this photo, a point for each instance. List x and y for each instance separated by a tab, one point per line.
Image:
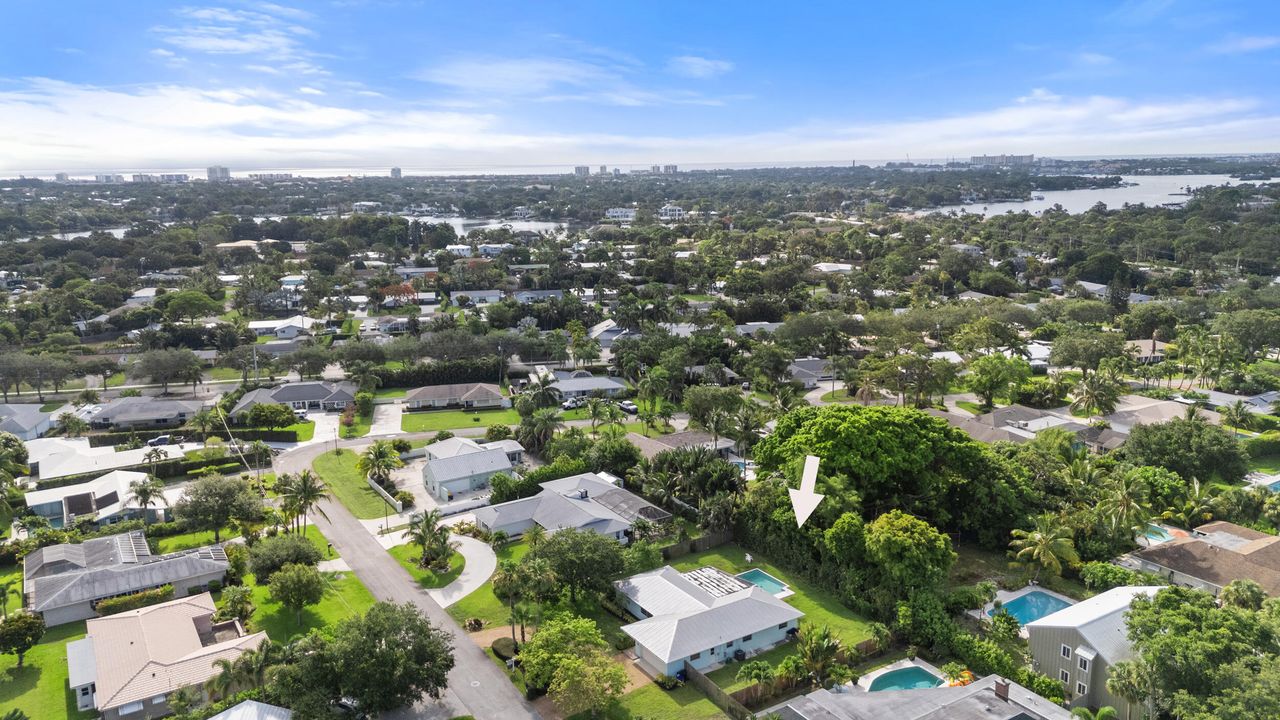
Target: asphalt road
477	686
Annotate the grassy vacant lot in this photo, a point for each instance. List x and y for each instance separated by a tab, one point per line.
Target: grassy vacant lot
976	564
455	419
345	596
39	687
347	485
819	606
407	556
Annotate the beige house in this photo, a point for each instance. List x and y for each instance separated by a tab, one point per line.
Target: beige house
128	664
467	395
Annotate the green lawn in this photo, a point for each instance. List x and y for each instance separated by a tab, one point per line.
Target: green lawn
51	406
727	676
839	396
345	596
653	703
347	484
640	429
186	541
360	428
223	373
407	556
483	603
39	687
972	407
1268	464
391	392
455	419
818	606
305	430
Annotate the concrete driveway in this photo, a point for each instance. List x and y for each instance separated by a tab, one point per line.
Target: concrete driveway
386	419
326	427
481	562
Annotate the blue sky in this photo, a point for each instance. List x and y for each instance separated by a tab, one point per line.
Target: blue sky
87	85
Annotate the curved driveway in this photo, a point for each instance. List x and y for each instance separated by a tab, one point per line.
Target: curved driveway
477	686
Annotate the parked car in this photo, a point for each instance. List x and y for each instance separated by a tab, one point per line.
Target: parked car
158	441
573	402
300	414
628	407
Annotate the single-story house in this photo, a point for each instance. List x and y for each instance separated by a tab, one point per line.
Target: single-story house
1078	645
417	298
106	499
689	438
988	698
311	395
27	421
284	328
459	465
704	617
723	376
811	371
64	583
833	267
144	413
478	298
590	501
606	332
581	383
524	297
1212	556
755	328
254	710
128	665
408	273
1145	411
1147	351
976	429
467	395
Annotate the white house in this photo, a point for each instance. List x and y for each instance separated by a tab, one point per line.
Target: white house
590	501
581	383
459	465
621	214
833	267
669	213
26	420
107	499
478	298
704	617
284	328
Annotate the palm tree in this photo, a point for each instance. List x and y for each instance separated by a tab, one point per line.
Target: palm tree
72	425
541	394
718	423
1096	394
255	665
303	493
146	492
426	531
786	399
378	461
204	421
1126	504
259	450
155	455
596	413
1134	681
662	487
534	536
364	374
539	428
227	678
1046	546
6	589
819	650
758	673
1195	508
747	424
1238	415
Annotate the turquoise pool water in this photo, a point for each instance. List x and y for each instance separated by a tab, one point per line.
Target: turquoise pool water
1275	486
907	678
1157	534
1033	606
760	578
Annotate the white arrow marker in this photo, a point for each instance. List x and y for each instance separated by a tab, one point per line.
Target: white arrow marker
805	500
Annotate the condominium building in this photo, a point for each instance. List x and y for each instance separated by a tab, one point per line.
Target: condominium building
218	173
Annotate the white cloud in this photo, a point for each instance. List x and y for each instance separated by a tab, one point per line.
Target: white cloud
161	52
701	68
1239	44
269	31
1094	59
56	126
306	90
515	76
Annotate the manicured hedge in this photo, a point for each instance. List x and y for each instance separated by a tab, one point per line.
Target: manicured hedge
1263	445
484	369
248	434
114	605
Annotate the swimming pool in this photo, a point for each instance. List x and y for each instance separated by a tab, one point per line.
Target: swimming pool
907	678
1032	606
762	579
1157	534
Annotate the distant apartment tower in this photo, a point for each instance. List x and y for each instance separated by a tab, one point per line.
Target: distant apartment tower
146	178
174	177
582	170
655	169
669	170
395	173
604	169
1002	160
270	177
62	177
218	173
108	178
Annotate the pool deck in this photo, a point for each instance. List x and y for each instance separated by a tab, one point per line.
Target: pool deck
864	682
1145	540
785	592
1004	596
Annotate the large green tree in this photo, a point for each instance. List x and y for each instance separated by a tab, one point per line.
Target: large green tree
211	503
582	560
909	552
1193	448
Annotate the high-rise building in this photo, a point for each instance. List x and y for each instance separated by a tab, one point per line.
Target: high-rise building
270	177
146	178
218	173
395	173
655	169
582	170
61	177
108	178
668	169
1002	160
604	169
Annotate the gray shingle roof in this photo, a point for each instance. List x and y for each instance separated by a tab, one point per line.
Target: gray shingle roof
469	464
976	701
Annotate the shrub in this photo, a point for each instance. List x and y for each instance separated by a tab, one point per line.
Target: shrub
364	403
114	605
667	682
405	498
272	553
622	641
1101	576
497	432
215	586
442	435
1263	445
504	647
473	625
401	445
